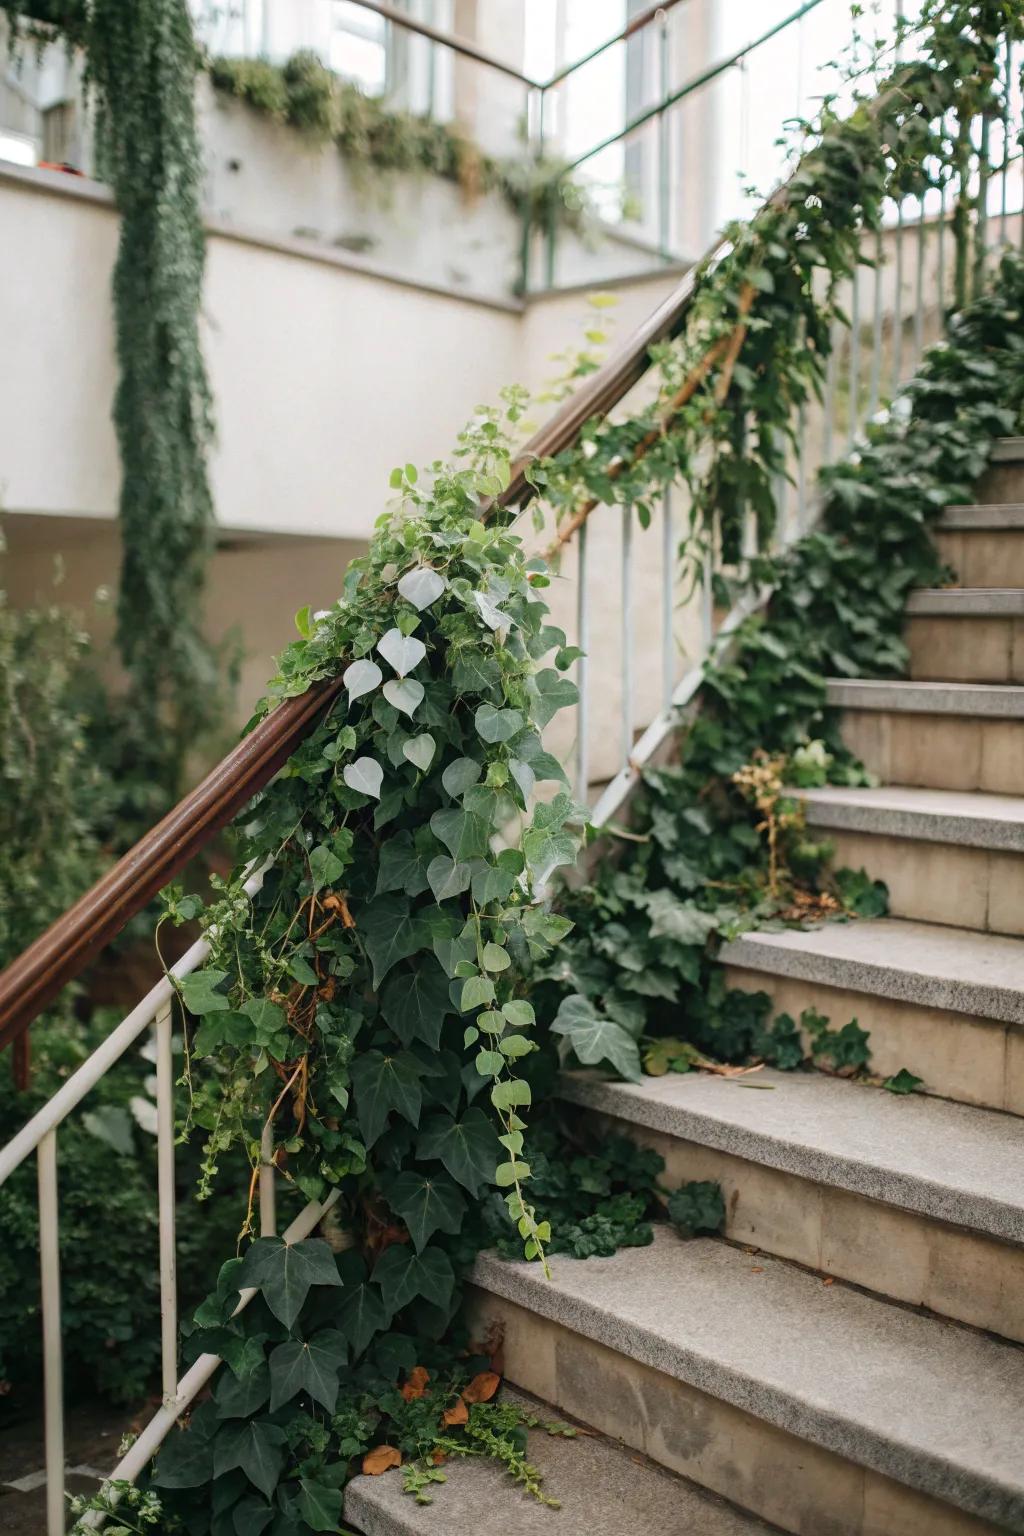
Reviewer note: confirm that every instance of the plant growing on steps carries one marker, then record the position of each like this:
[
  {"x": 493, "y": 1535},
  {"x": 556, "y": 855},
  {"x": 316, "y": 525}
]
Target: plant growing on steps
[{"x": 340, "y": 1002}]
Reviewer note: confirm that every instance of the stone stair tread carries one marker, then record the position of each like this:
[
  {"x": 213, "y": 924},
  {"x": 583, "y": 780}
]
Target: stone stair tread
[
  {"x": 981, "y": 974},
  {"x": 971, "y": 818},
  {"x": 997, "y": 701},
  {"x": 966, "y": 602},
  {"x": 932, "y": 1404},
  {"x": 1007, "y": 450},
  {"x": 952, "y": 1162},
  {"x": 982, "y": 517},
  {"x": 602, "y": 1488}
]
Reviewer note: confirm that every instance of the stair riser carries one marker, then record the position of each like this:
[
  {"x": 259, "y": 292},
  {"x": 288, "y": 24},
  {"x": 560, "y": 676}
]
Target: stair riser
[
  {"x": 803, "y": 1488},
  {"x": 977, "y": 888},
  {"x": 1001, "y": 483},
  {"x": 968, "y": 1276},
  {"x": 965, "y": 650},
  {"x": 938, "y": 751},
  {"x": 988, "y": 558},
  {"x": 972, "y": 1060}
]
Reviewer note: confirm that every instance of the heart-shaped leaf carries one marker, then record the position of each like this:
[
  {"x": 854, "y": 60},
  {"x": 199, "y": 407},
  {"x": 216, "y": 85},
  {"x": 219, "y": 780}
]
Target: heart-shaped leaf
[
  {"x": 404, "y": 694},
  {"x": 461, "y": 775},
  {"x": 420, "y": 750},
  {"x": 421, "y": 587},
  {"x": 403, "y": 652},
  {"x": 361, "y": 677},
  {"x": 364, "y": 775},
  {"x": 448, "y": 878},
  {"x": 490, "y": 612}
]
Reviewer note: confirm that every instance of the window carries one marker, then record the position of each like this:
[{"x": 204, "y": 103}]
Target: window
[{"x": 359, "y": 47}]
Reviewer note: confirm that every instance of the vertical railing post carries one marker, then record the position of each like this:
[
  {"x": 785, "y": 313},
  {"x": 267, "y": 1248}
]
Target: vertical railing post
[
  {"x": 664, "y": 143},
  {"x": 626, "y": 635},
  {"x": 268, "y": 1184},
  {"x": 53, "y": 1349},
  {"x": 166, "y": 1202},
  {"x": 582, "y": 667},
  {"x": 668, "y": 657}
]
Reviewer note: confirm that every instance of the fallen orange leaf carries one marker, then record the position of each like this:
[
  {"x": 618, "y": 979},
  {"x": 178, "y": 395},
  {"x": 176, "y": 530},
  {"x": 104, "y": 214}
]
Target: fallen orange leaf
[
  {"x": 417, "y": 1383},
  {"x": 458, "y": 1413},
  {"x": 439, "y": 1456},
  {"x": 482, "y": 1388},
  {"x": 380, "y": 1459}
]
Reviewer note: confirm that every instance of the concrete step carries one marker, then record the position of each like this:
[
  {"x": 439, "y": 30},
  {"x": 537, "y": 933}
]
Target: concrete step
[
  {"x": 602, "y": 1487},
  {"x": 947, "y": 856},
  {"x": 812, "y": 1405},
  {"x": 916, "y": 1198},
  {"x": 946, "y": 1003},
  {"x": 937, "y": 735},
  {"x": 1003, "y": 481},
  {"x": 983, "y": 544},
  {"x": 966, "y": 634}
]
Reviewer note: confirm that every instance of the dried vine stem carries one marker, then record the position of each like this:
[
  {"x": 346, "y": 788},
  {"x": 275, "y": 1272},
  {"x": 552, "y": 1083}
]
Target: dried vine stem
[{"x": 727, "y": 347}]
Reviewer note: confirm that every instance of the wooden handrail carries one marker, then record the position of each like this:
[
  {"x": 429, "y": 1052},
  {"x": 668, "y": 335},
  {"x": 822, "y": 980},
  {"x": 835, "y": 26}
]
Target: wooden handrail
[{"x": 60, "y": 954}]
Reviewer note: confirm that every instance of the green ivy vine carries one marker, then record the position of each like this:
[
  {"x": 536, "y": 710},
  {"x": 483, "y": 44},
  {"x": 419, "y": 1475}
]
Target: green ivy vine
[{"x": 140, "y": 66}]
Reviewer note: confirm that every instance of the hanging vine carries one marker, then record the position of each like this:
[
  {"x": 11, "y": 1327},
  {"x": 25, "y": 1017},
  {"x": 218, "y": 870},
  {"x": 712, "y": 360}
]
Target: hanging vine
[{"x": 140, "y": 64}]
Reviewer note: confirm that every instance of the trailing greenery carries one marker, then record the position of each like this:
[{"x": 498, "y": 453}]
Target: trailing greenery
[
  {"x": 375, "y": 138},
  {"x": 364, "y": 1017},
  {"x": 140, "y": 65}
]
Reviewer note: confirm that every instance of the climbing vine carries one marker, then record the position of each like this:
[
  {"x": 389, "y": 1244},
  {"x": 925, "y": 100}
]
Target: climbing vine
[{"x": 368, "y": 1019}]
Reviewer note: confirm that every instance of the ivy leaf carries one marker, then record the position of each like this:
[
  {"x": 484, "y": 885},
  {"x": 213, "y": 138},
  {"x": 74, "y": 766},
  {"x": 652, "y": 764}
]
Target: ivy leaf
[
  {"x": 404, "y": 694},
  {"x": 309, "y": 1366},
  {"x": 325, "y": 866},
  {"x": 420, "y": 750},
  {"x": 547, "y": 851},
  {"x": 185, "y": 1460},
  {"x": 550, "y": 693},
  {"x": 678, "y": 920},
  {"x": 256, "y": 1448},
  {"x": 365, "y": 776},
  {"x": 595, "y": 1038},
  {"x": 362, "y": 1315},
  {"x": 902, "y": 1081},
  {"x": 401, "y": 866},
  {"x": 426, "y": 1203},
  {"x": 446, "y": 878},
  {"x": 390, "y": 933},
  {"x": 461, "y": 775},
  {"x": 523, "y": 775},
  {"x": 284, "y": 1272},
  {"x": 240, "y": 1398},
  {"x": 251, "y": 1516},
  {"x": 415, "y": 1003},
  {"x": 319, "y": 1505},
  {"x": 468, "y": 1148},
  {"x": 497, "y": 725},
  {"x": 361, "y": 677},
  {"x": 495, "y": 882},
  {"x": 421, "y": 587},
  {"x": 401, "y": 652},
  {"x": 464, "y": 835},
  {"x": 403, "y": 1275},
  {"x": 199, "y": 992},
  {"x": 385, "y": 1083}
]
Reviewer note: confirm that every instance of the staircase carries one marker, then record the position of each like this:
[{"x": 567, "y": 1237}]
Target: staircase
[{"x": 846, "y": 1360}]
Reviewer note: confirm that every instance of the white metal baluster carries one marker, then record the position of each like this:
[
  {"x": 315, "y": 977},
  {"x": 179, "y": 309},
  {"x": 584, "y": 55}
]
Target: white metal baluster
[
  {"x": 707, "y": 598},
  {"x": 582, "y": 667},
  {"x": 165, "y": 1201},
  {"x": 830, "y": 391},
  {"x": 53, "y": 1349},
  {"x": 668, "y": 659},
  {"x": 876, "y": 329},
  {"x": 922, "y": 235},
  {"x": 627, "y": 635},
  {"x": 268, "y": 1185},
  {"x": 854, "y": 361}
]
